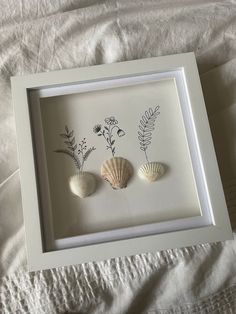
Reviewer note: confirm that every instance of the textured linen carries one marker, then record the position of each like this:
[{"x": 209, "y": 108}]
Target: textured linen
[{"x": 39, "y": 36}]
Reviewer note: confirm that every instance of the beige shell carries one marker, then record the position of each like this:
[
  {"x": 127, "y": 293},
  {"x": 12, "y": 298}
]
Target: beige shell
[
  {"x": 151, "y": 171},
  {"x": 82, "y": 184},
  {"x": 117, "y": 171}
]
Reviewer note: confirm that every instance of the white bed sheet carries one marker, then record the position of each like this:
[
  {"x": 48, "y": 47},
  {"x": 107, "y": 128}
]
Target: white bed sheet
[{"x": 39, "y": 36}]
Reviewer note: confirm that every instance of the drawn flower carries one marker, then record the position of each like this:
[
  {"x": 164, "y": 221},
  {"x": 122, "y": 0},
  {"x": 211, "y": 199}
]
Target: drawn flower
[
  {"x": 108, "y": 131},
  {"x": 111, "y": 121},
  {"x": 97, "y": 128},
  {"x": 120, "y": 133}
]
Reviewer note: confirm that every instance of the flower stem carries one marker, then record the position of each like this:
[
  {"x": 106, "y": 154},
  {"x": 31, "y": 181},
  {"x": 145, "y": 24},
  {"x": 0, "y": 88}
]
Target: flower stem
[
  {"x": 108, "y": 141},
  {"x": 82, "y": 159},
  {"x": 146, "y": 155},
  {"x": 110, "y": 136}
]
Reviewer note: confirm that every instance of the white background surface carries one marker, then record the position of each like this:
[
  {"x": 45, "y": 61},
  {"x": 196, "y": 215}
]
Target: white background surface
[
  {"x": 173, "y": 197},
  {"x": 40, "y": 36}
]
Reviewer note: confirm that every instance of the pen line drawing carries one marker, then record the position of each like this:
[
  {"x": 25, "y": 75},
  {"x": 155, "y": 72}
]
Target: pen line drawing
[
  {"x": 107, "y": 132},
  {"x": 79, "y": 153},
  {"x": 146, "y": 127}
]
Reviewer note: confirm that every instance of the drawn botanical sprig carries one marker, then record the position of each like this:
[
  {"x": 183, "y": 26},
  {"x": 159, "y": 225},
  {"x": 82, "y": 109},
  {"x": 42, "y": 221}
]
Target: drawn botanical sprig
[
  {"x": 107, "y": 132},
  {"x": 79, "y": 153},
  {"x": 146, "y": 127}
]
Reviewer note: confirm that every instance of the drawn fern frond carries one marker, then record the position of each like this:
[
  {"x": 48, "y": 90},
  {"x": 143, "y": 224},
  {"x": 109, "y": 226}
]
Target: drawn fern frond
[
  {"x": 72, "y": 155},
  {"x": 146, "y": 126},
  {"x": 79, "y": 153},
  {"x": 88, "y": 152}
]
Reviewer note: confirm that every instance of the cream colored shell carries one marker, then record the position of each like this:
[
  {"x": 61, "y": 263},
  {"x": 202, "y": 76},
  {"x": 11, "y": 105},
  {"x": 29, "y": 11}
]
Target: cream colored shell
[
  {"x": 82, "y": 184},
  {"x": 117, "y": 171},
  {"x": 151, "y": 171}
]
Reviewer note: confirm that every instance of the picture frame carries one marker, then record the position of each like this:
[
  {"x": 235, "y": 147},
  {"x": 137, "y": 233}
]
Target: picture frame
[{"x": 95, "y": 88}]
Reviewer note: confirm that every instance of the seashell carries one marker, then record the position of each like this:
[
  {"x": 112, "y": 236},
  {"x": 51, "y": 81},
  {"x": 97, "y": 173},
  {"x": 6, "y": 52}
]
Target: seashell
[
  {"x": 151, "y": 171},
  {"x": 82, "y": 184},
  {"x": 117, "y": 171}
]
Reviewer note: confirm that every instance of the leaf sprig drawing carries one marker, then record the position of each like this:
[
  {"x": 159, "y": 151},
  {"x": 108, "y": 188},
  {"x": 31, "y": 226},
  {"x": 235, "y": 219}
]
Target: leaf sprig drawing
[
  {"x": 146, "y": 127},
  {"x": 107, "y": 132},
  {"x": 79, "y": 153}
]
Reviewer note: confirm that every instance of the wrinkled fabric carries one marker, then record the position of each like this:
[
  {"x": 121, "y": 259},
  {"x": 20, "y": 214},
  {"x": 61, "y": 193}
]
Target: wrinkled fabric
[{"x": 39, "y": 36}]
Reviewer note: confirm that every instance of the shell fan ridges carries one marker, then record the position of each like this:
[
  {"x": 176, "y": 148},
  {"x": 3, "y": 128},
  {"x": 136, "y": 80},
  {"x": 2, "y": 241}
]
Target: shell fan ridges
[
  {"x": 117, "y": 171},
  {"x": 151, "y": 171}
]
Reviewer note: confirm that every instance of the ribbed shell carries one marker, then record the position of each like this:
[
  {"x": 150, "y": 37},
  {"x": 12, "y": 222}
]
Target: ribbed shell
[
  {"x": 82, "y": 184},
  {"x": 151, "y": 171},
  {"x": 117, "y": 171}
]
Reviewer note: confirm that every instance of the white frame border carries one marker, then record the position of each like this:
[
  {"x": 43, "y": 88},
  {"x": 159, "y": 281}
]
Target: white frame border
[
  {"x": 50, "y": 242},
  {"x": 218, "y": 231}
]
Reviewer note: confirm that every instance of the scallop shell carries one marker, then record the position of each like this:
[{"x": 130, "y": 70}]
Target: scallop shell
[
  {"x": 82, "y": 184},
  {"x": 151, "y": 171},
  {"x": 117, "y": 171}
]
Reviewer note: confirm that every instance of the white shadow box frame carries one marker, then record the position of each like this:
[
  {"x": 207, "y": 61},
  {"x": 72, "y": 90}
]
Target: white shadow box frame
[{"x": 31, "y": 97}]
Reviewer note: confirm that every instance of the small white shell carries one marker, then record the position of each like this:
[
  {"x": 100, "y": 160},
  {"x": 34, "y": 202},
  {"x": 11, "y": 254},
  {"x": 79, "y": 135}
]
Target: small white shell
[
  {"x": 117, "y": 171},
  {"x": 151, "y": 171},
  {"x": 82, "y": 184}
]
